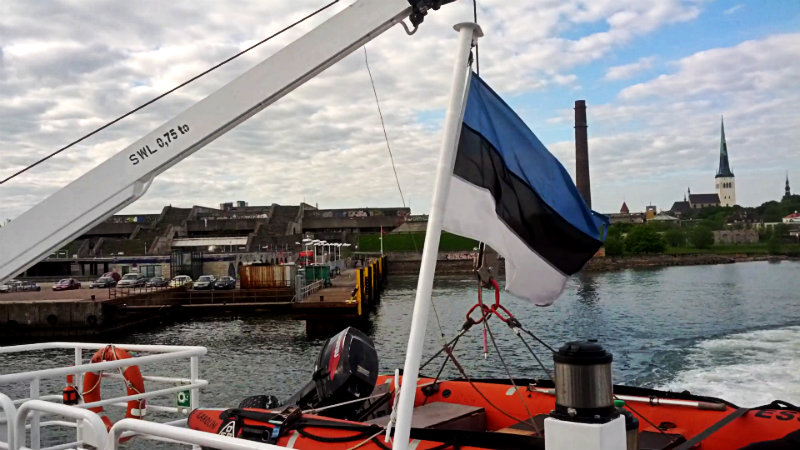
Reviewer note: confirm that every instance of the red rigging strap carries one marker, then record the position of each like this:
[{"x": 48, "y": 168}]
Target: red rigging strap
[{"x": 497, "y": 309}]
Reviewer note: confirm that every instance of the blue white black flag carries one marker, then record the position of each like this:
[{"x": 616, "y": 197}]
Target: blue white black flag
[{"x": 510, "y": 192}]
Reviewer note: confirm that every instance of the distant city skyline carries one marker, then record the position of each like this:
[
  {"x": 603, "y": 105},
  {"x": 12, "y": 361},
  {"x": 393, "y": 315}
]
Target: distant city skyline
[{"x": 656, "y": 79}]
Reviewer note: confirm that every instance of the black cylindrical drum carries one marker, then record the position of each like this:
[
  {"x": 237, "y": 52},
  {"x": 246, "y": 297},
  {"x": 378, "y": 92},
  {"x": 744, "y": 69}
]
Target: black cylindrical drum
[{"x": 584, "y": 392}]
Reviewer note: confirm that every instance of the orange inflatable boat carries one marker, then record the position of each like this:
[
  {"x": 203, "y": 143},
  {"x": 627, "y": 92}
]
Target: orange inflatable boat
[{"x": 343, "y": 408}]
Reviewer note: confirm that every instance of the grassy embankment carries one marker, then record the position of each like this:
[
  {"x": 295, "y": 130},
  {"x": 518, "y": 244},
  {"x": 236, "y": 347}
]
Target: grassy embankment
[
  {"x": 734, "y": 249},
  {"x": 413, "y": 242}
]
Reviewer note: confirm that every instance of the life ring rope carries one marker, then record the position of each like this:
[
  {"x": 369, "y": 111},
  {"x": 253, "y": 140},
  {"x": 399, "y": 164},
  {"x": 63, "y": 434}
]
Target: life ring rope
[{"x": 134, "y": 385}]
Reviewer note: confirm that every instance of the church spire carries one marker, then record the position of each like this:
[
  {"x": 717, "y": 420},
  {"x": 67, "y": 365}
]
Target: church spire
[
  {"x": 788, "y": 191},
  {"x": 724, "y": 170}
]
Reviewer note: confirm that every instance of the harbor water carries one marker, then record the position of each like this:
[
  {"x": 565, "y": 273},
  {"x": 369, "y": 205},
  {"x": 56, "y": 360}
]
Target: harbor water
[{"x": 730, "y": 331}]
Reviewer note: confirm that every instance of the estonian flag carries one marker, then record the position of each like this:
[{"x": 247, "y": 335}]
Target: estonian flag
[{"x": 510, "y": 192}]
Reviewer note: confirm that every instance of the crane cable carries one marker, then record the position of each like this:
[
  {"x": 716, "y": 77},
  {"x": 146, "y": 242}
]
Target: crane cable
[
  {"x": 477, "y": 54},
  {"x": 159, "y": 97},
  {"x": 397, "y": 179},
  {"x": 383, "y": 126}
]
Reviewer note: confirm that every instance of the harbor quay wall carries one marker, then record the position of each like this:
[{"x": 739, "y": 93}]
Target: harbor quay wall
[
  {"x": 407, "y": 263},
  {"x": 609, "y": 263},
  {"x": 46, "y": 313},
  {"x": 83, "y": 317}
]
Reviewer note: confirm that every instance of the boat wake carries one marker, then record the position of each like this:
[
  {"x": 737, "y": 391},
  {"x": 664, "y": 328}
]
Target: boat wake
[{"x": 748, "y": 369}]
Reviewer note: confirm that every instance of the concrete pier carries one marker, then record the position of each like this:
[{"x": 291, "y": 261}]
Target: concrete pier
[
  {"x": 87, "y": 313},
  {"x": 348, "y": 301},
  {"x": 84, "y": 313}
]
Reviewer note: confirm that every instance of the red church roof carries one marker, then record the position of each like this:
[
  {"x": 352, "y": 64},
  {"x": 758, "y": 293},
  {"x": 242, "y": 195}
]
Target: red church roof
[{"x": 624, "y": 209}]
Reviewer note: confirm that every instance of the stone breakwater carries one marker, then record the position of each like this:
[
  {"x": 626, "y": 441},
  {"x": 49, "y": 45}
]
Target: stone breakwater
[
  {"x": 462, "y": 262},
  {"x": 642, "y": 261}
]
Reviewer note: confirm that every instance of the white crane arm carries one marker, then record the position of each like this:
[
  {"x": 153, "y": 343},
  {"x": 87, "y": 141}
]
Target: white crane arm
[{"x": 125, "y": 177}]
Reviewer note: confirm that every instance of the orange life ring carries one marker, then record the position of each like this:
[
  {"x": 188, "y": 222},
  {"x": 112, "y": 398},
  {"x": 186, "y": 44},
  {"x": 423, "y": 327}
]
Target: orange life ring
[{"x": 133, "y": 382}]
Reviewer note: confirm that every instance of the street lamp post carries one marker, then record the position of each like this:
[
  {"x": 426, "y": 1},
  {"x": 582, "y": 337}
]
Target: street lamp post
[
  {"x": 343, "y": 245},
  {"x": 314, "y": 244}
]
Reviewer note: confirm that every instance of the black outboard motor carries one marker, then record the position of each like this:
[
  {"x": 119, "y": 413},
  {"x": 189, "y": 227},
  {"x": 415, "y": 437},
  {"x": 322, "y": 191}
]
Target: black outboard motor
[{"x": 346, "y": 369}]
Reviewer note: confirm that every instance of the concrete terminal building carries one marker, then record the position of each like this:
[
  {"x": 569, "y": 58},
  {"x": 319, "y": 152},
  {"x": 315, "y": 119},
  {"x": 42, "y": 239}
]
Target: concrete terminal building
[{"x": 200, "y": 239}]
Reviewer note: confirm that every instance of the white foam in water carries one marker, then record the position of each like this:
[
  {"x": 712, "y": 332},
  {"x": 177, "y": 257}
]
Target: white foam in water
[{"x": 748, "y": 369}]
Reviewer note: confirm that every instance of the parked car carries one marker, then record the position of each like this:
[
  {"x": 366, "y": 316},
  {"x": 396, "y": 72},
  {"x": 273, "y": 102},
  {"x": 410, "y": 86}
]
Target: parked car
[
  {"x": 157, "y": 282},
  {"x": 114, "y": 275},
  {"x": 5, "y": 288},
  {"x": 30, "y": 286},
  {"x": 12, "y": 286},
  {"x": 66, "y": 284},
  {"x": 132, "y": 279},
  {"x": 225, "y": 283},
  {"x": 103, "y": 282},
  {"x": 204, "y": 282},
  {"x": 181, "y": 280}
]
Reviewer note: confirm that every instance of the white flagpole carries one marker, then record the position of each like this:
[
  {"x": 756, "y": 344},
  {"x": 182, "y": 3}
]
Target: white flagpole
[{"x": 468, "y": 32}]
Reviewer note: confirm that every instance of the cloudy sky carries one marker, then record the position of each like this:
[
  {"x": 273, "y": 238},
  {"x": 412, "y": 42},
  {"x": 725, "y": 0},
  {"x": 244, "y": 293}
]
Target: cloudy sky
[{"x": 656, "y": 76}]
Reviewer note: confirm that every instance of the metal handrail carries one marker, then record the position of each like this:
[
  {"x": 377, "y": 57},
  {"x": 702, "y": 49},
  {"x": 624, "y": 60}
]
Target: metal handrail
[
  {"x": 170, "y": 352},
  {"x": 183, "y": 435},
  {"x": 10, "y": 413},
  {"x": 311, "y": 288},
  {"x": 92, "y": 420},
  {"x": 159, "y": 354}
]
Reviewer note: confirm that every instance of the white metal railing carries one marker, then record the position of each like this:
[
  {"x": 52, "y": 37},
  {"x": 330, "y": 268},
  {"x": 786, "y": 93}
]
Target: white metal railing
[
  {"x": 151, "y": 430},
  {"x": 310, "y": 288},
  {"x": 93, "y": 430},
  {"x": 10, "y": 418},
  {"x": 38, "y": 403}
]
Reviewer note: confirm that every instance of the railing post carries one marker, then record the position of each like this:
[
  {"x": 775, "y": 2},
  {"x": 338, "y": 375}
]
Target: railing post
[
  {"x": 88, "y": 418},
  {"x": 78, "y": 377},
  {"x": 35, "y": 436},
  {"x": 10, "y": 413},
  {"x": 194, "y": 375}
]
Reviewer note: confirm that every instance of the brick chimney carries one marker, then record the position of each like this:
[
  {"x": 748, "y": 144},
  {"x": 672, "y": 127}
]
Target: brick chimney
[{"x": 582, "y": 153}]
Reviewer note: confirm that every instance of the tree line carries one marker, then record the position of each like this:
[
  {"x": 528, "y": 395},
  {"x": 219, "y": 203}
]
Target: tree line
[{"x": 695, "y": 232}]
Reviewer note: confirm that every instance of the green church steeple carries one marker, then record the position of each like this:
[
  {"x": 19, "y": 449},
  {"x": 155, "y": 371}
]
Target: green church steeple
[{"x": 724, "y": 170}]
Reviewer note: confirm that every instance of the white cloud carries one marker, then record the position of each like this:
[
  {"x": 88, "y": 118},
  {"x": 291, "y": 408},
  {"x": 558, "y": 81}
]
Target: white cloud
[
  {"x": 626, "y": 71},
  {"x": 665, "y": 132},
  {"x": 68, "y": 67},
  {"x": 733, "y": 9}
]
